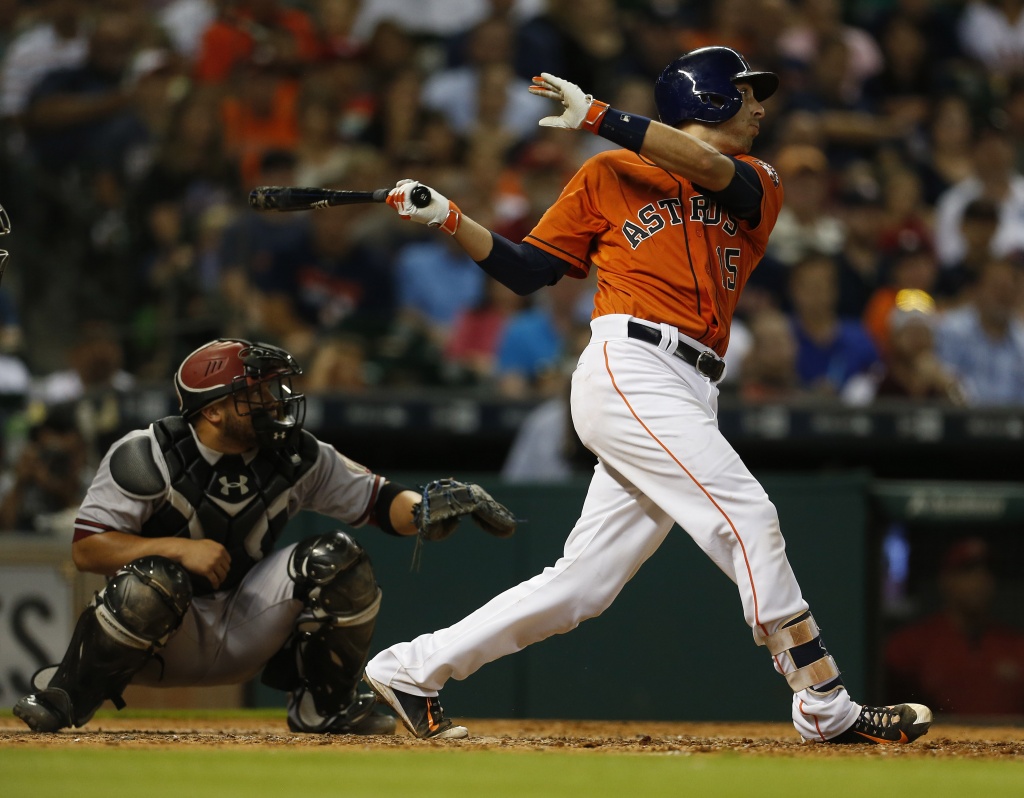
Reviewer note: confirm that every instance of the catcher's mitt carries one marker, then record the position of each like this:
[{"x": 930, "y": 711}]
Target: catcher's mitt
[{"x": 446, "y": 501}]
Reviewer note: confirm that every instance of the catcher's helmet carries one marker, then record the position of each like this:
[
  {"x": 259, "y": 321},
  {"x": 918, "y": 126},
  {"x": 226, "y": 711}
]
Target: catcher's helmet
[
  {"x": 700, "y": 85},
  {"x": 233, "y": 367}
]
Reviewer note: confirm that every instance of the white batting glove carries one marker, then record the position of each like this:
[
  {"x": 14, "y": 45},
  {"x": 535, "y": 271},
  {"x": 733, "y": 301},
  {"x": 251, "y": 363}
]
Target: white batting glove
[
  {"x": 440, "y": 212},
  {"x": 582, "y": 111}
]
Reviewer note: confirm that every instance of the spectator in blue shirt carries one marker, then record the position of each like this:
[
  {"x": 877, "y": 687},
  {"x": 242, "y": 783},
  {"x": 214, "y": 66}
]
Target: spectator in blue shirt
[
  {"x": 831, "y": 349},
  {"x": 983, "y": 341}
]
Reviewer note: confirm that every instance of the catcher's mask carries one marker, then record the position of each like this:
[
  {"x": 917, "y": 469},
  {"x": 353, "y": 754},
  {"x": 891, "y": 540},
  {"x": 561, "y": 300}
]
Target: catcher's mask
[
  {"x": 259, "y": 379},
  {"x": 701, "y": 85}
]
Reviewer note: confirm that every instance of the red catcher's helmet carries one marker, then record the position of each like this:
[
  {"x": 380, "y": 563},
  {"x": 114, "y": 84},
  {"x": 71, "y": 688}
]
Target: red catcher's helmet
[
  {"x": 701, "y": 85},
  {"x": 231, "y": 367}
]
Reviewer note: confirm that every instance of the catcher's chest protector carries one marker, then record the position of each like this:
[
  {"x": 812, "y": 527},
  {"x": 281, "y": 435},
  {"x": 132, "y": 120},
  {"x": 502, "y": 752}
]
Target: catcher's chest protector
[{"x": 243, "y": 506}]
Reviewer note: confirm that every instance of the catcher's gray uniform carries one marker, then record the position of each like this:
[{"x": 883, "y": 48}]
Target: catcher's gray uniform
[{"x": 227, "y": 635}]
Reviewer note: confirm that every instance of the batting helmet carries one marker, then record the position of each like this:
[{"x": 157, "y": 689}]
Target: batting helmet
[
  {"x": 232, "y": 367},
  {"x": 701, "y": 85}
]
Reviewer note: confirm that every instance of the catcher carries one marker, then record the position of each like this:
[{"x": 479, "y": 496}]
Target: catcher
[{"x": 183, "y": 518}]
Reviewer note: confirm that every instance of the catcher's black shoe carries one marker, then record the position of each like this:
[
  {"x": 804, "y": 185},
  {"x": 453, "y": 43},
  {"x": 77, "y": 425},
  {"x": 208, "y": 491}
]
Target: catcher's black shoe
[
  {"x": 48, "y": 710},
  {"x": 902, "y": 723},
  {"x": 422, "y": 715},
  {"x": 358, "y": 718}
]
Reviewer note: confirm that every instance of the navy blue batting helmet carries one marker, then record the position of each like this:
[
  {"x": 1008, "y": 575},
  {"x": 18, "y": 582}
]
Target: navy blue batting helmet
[{"x": 701, "y": 85}]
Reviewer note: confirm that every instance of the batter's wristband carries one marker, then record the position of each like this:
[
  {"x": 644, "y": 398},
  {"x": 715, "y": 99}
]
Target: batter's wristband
[
  {"x": 595, "y": 113},
  {"x": 626, "y": 130},
  {"x": 451, "y": 222}
]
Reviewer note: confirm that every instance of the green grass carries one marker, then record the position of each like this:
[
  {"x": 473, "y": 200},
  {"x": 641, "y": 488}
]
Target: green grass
[{"x": 168, "y": 773}]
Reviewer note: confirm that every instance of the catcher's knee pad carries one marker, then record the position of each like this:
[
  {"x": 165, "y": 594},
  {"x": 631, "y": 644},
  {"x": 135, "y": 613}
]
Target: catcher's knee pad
[
  {"x": 124, "y": 625},
  {"x": 334, "y": 578},
  {"x": 801, "y": 655},
  {"x": 145, "y": 601}
]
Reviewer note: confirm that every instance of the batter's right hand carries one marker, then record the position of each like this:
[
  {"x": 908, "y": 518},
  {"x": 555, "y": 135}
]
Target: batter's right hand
[
  {"x": 206, "y": 558},
  {"x": 582, "y": 111},
  {"x": 441, "y": 212}
]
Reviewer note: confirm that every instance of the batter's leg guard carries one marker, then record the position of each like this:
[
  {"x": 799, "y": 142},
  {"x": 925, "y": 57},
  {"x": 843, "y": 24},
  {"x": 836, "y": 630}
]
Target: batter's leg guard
[
  {"x": 802, "y": 657},
  {"x": 323, "y": 663},
  {"x": 125, "y": 624}
]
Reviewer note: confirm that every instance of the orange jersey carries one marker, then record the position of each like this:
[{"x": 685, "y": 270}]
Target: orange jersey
[{"x": 664, "y": 251}]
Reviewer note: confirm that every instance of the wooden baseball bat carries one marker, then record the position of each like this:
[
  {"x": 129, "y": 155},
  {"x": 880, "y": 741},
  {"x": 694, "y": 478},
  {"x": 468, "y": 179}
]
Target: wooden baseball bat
[{"x": 297, "y": 198}]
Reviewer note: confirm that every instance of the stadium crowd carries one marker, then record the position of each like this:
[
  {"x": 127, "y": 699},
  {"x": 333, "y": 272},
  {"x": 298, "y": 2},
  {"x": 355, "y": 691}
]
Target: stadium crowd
[{"x": 133, "y": 130}]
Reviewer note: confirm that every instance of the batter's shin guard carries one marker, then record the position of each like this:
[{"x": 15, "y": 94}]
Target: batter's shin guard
[{"x": 801, "y": 655}]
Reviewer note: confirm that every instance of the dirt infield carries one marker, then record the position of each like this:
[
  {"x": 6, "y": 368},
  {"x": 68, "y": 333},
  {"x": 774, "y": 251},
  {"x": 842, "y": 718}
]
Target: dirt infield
[{"x": 635, "y": 737}]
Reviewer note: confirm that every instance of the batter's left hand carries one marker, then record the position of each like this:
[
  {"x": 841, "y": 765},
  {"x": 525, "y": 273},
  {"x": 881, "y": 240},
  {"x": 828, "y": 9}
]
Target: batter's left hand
[
  {"x": 441, "y": 212},
  {"x": 581, "y": 110}
]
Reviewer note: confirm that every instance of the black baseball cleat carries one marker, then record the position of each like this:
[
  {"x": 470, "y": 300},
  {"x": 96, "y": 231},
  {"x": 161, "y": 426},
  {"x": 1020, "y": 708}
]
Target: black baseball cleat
[
  {"x": 48, "y": 710},
  {"x": 358, "y": 718},
  {"x": 895, "y": 725},
  {"x": 422, "y": 715}
]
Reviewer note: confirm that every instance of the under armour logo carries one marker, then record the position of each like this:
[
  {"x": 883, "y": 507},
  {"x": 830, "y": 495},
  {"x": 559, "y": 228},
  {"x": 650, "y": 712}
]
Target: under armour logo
[
  {"x": 226, "y": 485},
  {"x": 280, "y": 436}
]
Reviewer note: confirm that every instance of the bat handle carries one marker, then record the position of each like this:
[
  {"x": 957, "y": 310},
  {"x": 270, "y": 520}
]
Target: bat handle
[{"x": 420, "y": 196}]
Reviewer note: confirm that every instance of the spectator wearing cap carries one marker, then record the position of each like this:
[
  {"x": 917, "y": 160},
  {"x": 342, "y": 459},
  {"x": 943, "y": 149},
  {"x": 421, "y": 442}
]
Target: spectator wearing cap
[
  {"x": 995, "y": 178},
  {"x": 910, "y": 367},
  {"x": 805, "y": 222},
  {"x": 960, "y": 659},
  {"x": 983, "y": 341}
]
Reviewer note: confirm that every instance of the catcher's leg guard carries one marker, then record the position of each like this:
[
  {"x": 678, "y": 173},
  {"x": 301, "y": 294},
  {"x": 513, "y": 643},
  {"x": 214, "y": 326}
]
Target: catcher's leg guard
[
  {"x": 126, "y": 623},
  {"x": 324, "y": 661}
]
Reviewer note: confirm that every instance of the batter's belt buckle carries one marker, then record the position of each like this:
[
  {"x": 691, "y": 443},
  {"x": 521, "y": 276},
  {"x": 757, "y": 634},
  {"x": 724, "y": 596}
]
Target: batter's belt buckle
[{"x": 710, "y": 366}]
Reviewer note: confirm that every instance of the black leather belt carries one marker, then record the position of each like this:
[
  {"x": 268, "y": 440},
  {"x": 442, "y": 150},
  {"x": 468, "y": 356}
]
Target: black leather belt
[{"x": 705, "y": 361}]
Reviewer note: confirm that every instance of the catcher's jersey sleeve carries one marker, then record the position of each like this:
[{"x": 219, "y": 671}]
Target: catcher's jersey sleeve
[
  {"x": 337, "y": 487},
  {"x": 664, "y": 250}
]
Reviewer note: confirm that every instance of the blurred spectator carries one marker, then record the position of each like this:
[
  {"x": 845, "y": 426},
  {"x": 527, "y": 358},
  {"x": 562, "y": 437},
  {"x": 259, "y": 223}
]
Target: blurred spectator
[
  {"x": 472, "y": 344},
  {"x": 910, "y": 265},
  {"x": 819, "y": 21},
  {"x": 271, "y": 34},
  {"x": 978, "y": 226},
  {"x": 961, "y": 660},
  {"x": 321, "y": 155},
  {"x": 14, "y": 374},
  {"x": 55, "y": 40},
  {"x": 861, "y": 210},
  {"x": 185, "y": 22},
  {"x": 910, "y": 367},
  {"x": 992, "y": 32},
  {"x": 259, "y": 118},
  {"x": 906, "y": 85},
  {"x": 830, "y": 349},
  {"x": 42, "y": 491},
  {"x": 995, "y": 178},
  {"x": 85, "y": 117},
  {"x": 339, "y": 364},
  {"x": 983, "y": 341},
  {"x": 436, "y": 282},
  {"x": 806, "y": 224},
  {"x": 95, "y": 367},
  {"x": 328, "y": 280},
  {"x": 538, "y": 339},
  {"x": 458, "y": 93},
  {"x": 770, "y": 368},
  {"x": 944, "y": 155},
  {"x": 438, "y": 19}
]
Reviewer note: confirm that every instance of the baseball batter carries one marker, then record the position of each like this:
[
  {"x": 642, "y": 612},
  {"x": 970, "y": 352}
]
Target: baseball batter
[
  {"x": 675, "y": 222},
  {"x": 184, "y": 517}
]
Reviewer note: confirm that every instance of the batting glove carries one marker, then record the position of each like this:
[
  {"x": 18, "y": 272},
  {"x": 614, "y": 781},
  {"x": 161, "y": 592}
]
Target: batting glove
[
  {"x": 440, "y": 212},
  {"x": 581, "y": 110}
]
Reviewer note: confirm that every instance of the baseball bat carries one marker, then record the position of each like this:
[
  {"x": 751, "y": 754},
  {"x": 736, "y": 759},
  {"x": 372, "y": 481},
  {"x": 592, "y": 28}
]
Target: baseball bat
[{"x": 297, "y": 198}]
